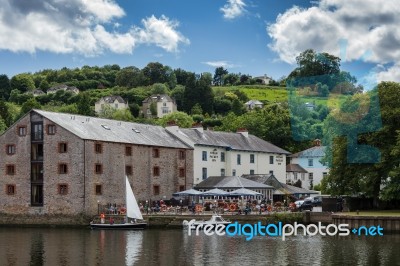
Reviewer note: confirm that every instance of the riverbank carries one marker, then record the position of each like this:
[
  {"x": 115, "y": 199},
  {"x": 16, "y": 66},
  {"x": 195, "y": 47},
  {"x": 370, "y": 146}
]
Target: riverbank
[{"x": 390, "y": 223}]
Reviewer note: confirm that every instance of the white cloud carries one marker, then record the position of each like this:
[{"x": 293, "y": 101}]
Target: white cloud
[
  {"x": 80, "y": 27},
  {"x": 104, "y": 10},
  {"x": 224, "y": 64},
  {"x": 389, "y": 74},
  {"x": 233, "y": 9},
  {"x": 366, "y": 25},
  {"x": 160, "y": 32}
]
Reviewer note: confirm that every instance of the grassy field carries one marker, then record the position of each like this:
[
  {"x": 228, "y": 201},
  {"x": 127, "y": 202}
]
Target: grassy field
[{"x": 274, "y": 94}]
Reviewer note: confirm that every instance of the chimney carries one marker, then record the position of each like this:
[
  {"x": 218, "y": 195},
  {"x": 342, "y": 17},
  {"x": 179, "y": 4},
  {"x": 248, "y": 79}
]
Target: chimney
[
  {"x": 171, "y": 123},
  {"x": 317, "y": 142},
  {"x": 198, "y": 127},
  {"x": 243, "y": 131}
]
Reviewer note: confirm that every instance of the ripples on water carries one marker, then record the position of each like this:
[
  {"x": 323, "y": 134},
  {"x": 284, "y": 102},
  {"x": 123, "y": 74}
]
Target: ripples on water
[{"x": 45, "y": 246}]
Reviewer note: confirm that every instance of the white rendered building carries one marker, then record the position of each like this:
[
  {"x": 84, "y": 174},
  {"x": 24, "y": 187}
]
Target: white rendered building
[
  {"x": 231, "y": 154},
  {"x": 310, "y": 160}
]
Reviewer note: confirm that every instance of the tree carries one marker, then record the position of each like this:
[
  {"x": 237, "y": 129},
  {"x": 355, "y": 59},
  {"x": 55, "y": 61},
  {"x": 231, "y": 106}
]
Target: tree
[
  {"x": 3, "y": 126},
  {"x": 5, "y": 87},
  {"x": 44, "y": 85},
  {"x": 153, "y": 108},
  {"x": 155, "y": 72},
  {"x": 271, "y": 124},
  {"x": 311, "y": 63},
  {"x": 130, "y": 77},
  {"x": 219, "y": 75},
  {"x": 122, "y": 115},
  {"x": 181, "y": 76},
  {"x": 206, "y": 95},
  {"x": 356, "y": 168},
  {"x": 191, "y": 94},
  {"x": 5, "y": 113},
  {"x": 315, "y": 67},
  {"x": 159, "y": 88},
  {"x": 180, "y": 118},
  {"x": 29, "y": 105},
  {"x": 135, "y": 109},
  {"x": 322, "y": 90},
  {"x": 231, "y": 79},
  {"x": 237, "y": 107},
  {"x": 178, "y": 94},
  {"x": 22, "y": 82},
  {"x": 196, "y": 109},
  {"x": 222, "y": 106},
  {"x": 83, "y": 104}
]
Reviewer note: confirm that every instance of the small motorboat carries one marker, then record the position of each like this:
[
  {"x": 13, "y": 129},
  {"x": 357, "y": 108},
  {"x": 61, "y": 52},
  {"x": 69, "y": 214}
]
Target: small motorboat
[{"x": 215, "y": 220}]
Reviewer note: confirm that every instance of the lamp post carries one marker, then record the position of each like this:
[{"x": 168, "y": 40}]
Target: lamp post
[{"x": 242, "y": 201}]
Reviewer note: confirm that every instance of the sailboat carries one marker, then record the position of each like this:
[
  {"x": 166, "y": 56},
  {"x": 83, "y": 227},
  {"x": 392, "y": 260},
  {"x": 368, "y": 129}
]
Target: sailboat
[{"x": 132, "y": 213}]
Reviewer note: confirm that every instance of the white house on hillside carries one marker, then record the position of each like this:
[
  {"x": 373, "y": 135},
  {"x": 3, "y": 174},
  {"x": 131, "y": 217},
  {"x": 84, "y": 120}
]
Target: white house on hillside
[
  {"x": 263, "y": 79},
  {"x": 231, "y": 154},
  {"x": 115, "y": 102},
  {"x": 162, "y": 104},
  {"x": 63, "y": 87},
  {"x": 252, "y": 104},
  {"x": 310, "y": 161}
]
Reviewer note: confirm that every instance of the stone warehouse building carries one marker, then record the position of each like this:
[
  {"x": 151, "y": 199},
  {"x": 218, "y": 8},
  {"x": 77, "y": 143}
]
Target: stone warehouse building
[
  {"x": 54, "y": 163},
  {"x": 231, "y": 154}
]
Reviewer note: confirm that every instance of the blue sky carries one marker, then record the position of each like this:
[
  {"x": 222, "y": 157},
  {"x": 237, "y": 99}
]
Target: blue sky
[{"x": 253, "y": 37}]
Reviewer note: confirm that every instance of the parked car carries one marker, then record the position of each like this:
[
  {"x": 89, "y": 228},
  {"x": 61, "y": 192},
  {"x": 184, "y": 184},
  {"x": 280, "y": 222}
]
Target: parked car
[
  {"x": 317, "y": 201},
  {"x": 306, "y": 205},
  {"x": 298, "y": 203}
]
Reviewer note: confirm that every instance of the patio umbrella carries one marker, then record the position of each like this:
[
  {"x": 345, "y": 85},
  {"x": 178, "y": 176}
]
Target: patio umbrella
[
  {"x": 215, "y": 192},
  {"x": 189, "y": 192},
  {"x": 244, "y": 192}
]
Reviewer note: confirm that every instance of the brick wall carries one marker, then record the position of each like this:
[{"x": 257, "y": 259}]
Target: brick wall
[
  {"x": 81, "y": 177},
  {"x": 20, "y": 201}
]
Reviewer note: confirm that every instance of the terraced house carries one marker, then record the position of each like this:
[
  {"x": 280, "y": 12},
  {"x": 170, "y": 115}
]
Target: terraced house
[
  {"x": 54, "y": 163},
  {"x": 231, "y": 154}
]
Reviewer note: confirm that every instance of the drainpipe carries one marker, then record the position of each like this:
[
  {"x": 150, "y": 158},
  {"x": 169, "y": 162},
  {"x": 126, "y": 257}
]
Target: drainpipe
[{"x": 84, "y": 177}]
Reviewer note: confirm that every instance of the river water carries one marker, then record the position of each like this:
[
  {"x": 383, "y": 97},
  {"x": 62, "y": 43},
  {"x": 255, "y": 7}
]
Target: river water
[{"x": 75, "y": 247}]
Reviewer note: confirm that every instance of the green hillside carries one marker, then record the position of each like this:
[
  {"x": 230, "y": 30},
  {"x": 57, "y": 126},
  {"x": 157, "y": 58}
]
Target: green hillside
[{"x": 266, "y": 93}]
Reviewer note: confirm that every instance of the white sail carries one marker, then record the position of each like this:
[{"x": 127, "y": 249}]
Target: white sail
[{"x": 132, "y": 207}]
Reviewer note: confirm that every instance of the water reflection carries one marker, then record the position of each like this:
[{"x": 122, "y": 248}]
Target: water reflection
[{"x": 40, "y": 246}]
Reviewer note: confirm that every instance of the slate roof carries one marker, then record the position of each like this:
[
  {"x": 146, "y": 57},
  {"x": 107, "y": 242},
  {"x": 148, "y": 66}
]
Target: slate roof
[
  {"x": 230, "y": 140},
  {"x": 93, "y": 128},
  {"x": 253, "y": 102},
  {"x": 289, "y": 189},
  {"x": 282, "y": 187},
  {"x": 294, "y": 167},
  {"x": 316, "y": 151},
  {"x": 111, "y": 99},
  {"x": 230, "y": 182},
  {"x": 58, "y": 87},
  {"x": 158, "y": 98},
  {"x": 268, "y": 179}
]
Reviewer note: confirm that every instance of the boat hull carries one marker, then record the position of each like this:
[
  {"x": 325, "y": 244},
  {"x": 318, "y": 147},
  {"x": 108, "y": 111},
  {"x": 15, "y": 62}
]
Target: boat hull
[{"x": 125, "y": 226}]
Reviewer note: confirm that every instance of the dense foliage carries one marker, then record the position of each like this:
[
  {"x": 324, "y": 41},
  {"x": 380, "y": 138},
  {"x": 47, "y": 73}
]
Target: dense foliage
[{"x": 218, "y": 101}]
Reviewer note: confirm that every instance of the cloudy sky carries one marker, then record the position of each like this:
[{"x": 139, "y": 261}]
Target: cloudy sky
[{"x": 253, "y": 37}]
